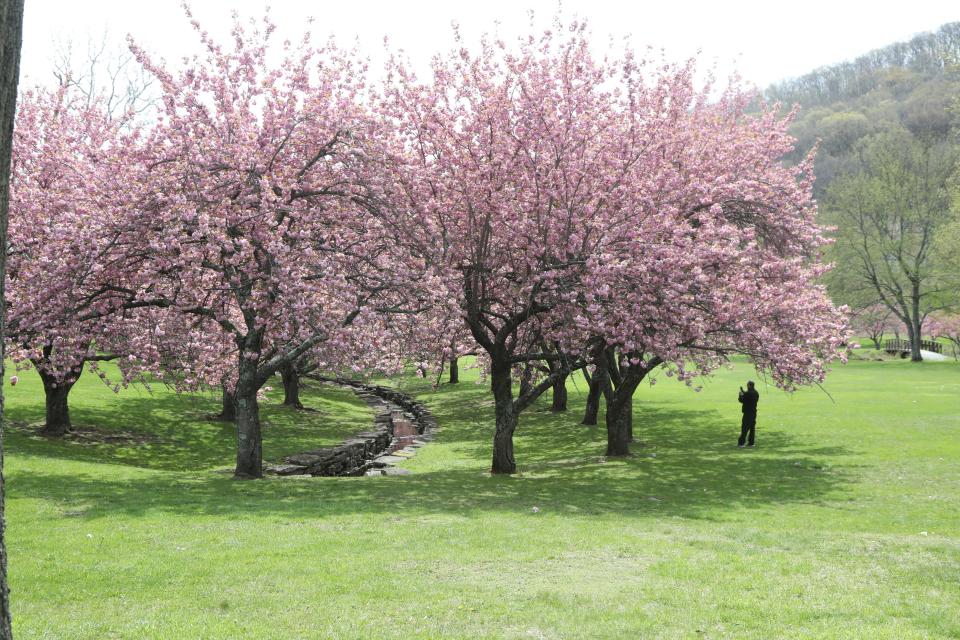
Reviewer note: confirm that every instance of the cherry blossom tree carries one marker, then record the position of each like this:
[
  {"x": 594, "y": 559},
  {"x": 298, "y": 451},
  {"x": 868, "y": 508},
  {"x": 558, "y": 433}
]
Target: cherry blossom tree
[
  {"x": 259, "y": 225},
  {"x": 74, "y": 178},
  {"x": 889, "y": 217},
  {"x": 946, "y": 327},
  {"x": 721, "y": 255},
  {"x": 580, "y": 208},
  {"x": 874, "y": 322},
  {"x": 509, "y": 162}
]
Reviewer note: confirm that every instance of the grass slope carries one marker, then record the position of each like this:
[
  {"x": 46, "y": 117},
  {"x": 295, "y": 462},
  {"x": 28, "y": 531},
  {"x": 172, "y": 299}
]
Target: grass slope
[{"x": 843, "y": 523}]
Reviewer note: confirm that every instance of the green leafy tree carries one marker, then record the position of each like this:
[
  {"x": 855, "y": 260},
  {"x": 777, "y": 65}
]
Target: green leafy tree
[{"x": 889, "y": 217}]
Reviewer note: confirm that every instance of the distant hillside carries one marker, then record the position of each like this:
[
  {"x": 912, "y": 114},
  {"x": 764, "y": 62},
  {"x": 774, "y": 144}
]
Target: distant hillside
[
  {"x": 925, "y": 55},
  {"x": 911, "y": 85}
]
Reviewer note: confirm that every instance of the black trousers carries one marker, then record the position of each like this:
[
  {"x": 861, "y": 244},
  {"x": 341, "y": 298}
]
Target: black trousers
[{"x": 748, "y": 428}]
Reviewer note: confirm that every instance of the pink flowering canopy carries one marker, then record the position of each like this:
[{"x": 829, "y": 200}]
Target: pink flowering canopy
[
  {"x": 532, "y": 202},
  {"x": 721, "y": 251},
  {"x": 945, "y": 327},
  {"x": 259, "y": 223},
  {"x": 74, "y": 181},
  {"x": 565, "y": 200}
]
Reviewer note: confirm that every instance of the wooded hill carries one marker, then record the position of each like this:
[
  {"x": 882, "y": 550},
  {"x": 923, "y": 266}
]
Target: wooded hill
[
  {"x": 912, "y": 84},
  {"x": 926, "y": 55}
]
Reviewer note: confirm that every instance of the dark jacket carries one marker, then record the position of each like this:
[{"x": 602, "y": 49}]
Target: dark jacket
[{"x": 749, "y": 400}]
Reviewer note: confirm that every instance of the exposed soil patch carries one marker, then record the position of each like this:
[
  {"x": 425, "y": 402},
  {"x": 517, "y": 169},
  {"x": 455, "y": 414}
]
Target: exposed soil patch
[{"x": 83, "y": 434}]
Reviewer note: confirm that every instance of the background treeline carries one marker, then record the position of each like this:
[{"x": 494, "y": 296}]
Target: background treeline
[
  {"x": 925, "y": 55},
  {"x": 911, "y": 85}
]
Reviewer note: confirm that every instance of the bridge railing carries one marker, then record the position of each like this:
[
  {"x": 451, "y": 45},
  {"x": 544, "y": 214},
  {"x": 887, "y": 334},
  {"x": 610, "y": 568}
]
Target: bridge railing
[{"x": 903, "y": 346}]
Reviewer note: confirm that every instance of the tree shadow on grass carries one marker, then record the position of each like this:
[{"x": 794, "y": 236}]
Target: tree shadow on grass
[
  {"x": 180, "y": 436},
  {"x": 684, "y": 462},
  {"x": 689, "y": 467}
]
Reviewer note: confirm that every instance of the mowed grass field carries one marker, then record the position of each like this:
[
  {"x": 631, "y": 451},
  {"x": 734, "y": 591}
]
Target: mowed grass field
[{"x": 843, "y": 523}]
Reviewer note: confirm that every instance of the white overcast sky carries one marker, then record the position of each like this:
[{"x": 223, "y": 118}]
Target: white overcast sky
[{"x": 765, "y": 41}]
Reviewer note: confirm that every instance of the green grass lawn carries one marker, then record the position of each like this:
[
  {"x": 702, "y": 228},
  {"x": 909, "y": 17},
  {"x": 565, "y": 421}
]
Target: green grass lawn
[
  {"x": 175, "y": 432},
  {"x": 843, "y": 523}
]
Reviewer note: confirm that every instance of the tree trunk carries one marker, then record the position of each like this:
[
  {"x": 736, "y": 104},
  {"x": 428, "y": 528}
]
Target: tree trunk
[
  {"x": 620, "y": 409},
  {"x": 249, "y": 440},
  {"x": 618, "y": 427},
  {"x": 915, "y": 355},
  {"x": 11, "y": 33},
  {"x": 501, "y": 384},
  {"x": 526, "y": 383},
  {"x": 915, "y": 326},
  {"x": 559, "y": 395},
  {"x": 454, "y": 371},
  {"x": 229, "y": 410},
  {"x": 593, "y": 397},
  {"x": 291, "y": 386},
  {"x": 56, "y": 395}
]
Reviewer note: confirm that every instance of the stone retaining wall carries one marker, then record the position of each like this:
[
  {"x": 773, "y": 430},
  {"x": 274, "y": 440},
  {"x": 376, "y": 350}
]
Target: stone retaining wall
[{"x": 359, "y": 454}]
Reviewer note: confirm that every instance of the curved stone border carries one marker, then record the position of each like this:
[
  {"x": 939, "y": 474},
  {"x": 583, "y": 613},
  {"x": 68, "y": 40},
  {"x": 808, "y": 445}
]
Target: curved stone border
[{"x": 401, "y": 426}]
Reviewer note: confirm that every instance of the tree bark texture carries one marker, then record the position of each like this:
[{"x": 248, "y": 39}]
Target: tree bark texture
[
  {"x": 249, "y": 437},
  {"x": 454, "y": 371},
  {"x": 506, "y": 419},
  {"x": 620, "y": 408},
  {"x": 594, "y": 391},
  {"x": 11, "y": 33},
  {"x": 291, "y": 385},
  {"x": 916, "y": 328},
  {"x": 526, "y": 380},
  {"x": 228, "y": 412},
  {"x": 559, "y": 395},
  {"x": 56, "y": 396},
  {"x": 620, "y": 420},
  {"x": 618, "y": 430}
]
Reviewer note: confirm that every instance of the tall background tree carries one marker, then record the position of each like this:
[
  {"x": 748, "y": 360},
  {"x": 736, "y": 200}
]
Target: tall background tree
[
  {"x": 11, "y": 33},
  {"x": 901, "y": 97},
  {"x": 888, "y": 218}
]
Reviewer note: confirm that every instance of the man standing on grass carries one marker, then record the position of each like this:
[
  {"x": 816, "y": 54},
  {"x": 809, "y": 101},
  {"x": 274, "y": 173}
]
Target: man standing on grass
[{"x": 748, "y": 425}]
